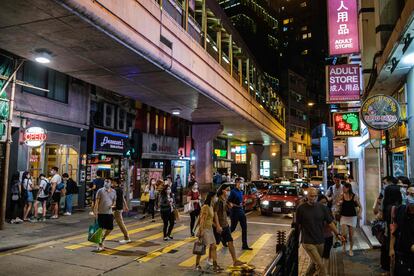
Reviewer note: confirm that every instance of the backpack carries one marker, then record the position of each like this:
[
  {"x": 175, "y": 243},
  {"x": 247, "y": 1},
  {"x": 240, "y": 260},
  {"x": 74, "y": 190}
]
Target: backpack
[{"x": 47, "y": 188}]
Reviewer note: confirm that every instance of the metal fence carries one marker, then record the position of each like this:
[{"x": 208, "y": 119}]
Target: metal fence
[{"x": 287, "y": 259}]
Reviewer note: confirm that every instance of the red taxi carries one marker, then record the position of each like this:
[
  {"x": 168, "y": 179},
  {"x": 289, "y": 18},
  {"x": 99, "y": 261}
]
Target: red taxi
[
  {"x": 250, "y": 195},
  {"x": 280, "y": 198},
  {"x": 262, "y": 186}
]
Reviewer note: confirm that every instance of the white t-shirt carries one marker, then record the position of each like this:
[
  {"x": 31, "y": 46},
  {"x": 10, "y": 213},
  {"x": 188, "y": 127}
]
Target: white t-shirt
[
  {"x": 42, "y": 187},
  {"x": 27, "y": 184},
  {"x": 56, "y": 179}
]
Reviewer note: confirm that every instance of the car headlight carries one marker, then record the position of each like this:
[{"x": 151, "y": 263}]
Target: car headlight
[
  {"x": 289, "y": 204},
  {"x": 265, "y": 202},
  {"x": 305, "y": 192}
]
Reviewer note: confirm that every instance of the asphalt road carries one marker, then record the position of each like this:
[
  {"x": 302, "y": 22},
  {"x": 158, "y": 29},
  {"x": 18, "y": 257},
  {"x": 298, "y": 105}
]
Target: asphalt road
[{"x": 148, "y": 254}]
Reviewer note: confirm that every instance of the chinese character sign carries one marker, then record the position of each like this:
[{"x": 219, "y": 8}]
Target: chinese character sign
[
  {"x": 343, "y": 83},
  {"x": 343, "y": 27},
  {"x": 347, "y": 124}
]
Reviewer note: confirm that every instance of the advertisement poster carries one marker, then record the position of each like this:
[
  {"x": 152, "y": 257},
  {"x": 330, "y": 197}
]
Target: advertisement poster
[
  {"x": 343, "y": 83},
  {"x": 343, "y": 27},
  {"x": 347, "y": 124},
  {"x": 380, "y": 112}
]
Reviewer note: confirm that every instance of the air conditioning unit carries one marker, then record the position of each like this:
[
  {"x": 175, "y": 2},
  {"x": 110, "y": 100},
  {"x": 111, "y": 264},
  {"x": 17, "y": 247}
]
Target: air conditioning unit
[
  {"x": 109, "y": 116},
  {"x": 122, "y": 120}
]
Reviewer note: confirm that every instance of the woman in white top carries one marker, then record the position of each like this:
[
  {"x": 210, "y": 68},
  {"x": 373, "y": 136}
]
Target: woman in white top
[
  {"x": 27, "y": 194},
  {"x": 151, "y": 189}
]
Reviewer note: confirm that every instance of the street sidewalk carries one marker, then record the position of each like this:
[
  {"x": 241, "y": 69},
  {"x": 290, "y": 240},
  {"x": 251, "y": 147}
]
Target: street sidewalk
[
  {"x": 25, "y": 234},
  {"x": 365, "y": 262}
]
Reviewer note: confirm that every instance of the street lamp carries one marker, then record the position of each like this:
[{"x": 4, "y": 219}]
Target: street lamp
[
  {"x": 310, "y": 104},
  {"x": 176, "y": 111}
]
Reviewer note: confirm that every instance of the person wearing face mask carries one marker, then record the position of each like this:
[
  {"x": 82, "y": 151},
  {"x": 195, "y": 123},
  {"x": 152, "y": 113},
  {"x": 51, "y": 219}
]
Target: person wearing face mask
[
  {"x": 237, "y": 213},
  {"x": 193, "y": 196},
  {"x": 105, "y": 201},
  {"x": 404, "y": 183},
  {"x": 311, "y": 218},
  {"x": 120, "y": 206},
  {"x": 167, "y": 205},
  {"x": 402, "y": 237}
]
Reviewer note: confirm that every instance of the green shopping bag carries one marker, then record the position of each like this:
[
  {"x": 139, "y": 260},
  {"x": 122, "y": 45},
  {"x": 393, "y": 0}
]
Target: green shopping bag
[{"x": 95, "y": 233}]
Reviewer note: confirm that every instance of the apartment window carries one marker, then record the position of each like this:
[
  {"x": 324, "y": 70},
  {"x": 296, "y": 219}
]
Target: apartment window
[
  {"x": 285, "y": 29},
  {"x": 303, "y": 4},
  {"x": 43, "y": 77},
  {"x": 299, "y": 148},
  {"x": 304, "y": 28},
  {"x": 309, "y": 35},
  {"x": 304, "y": 36},
  {"x": 286, "y": 21},
  {"x": 305, "y": 52}
]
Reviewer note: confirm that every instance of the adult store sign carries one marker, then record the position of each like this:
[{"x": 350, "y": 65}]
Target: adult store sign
[
  {"x": 343, "y": 27},
  {"x": 343, "y": 83},
  {"x": 109, "y": 142}
]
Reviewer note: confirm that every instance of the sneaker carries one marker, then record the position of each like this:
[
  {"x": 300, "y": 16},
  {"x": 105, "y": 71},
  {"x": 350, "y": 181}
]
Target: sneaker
[
  {"x": 67, "y": 214},
  {"x": 165, "y": 238},
  {"x": 125, "y": 241},
  {"x": 43, "y": 219},
  {"x": 13, "y": 221},
  {"x": 209, "y": 262},
  {"x": 54, "y": 217},
  {"x": 247, "y": 248},
  {"x": 18, "y": 220},
  {"x": 170, "y": 237},
  {"x": 91, "y": 213},
  {"x": 100, "y": 248},
  {"x": 33, "y": 220}
]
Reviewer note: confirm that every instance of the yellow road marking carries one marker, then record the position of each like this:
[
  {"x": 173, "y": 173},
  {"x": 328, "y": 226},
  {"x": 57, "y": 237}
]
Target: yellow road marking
[
  {"x": 110, "y": 251},
  {"x": 114, "y": 236},
  {"x": 164, "y": 250},
  {"x": 248, "y": 255},
  {"x": 190, "y": 262}
]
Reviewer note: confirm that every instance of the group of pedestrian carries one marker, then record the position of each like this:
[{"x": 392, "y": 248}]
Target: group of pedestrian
[
  {"x": 39, "y": 195},
  {"x": 395, "y": 206}
]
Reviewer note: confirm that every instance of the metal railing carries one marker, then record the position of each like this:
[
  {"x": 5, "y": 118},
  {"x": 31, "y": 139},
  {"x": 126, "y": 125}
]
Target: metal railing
[{"x": 287, "y": 258}]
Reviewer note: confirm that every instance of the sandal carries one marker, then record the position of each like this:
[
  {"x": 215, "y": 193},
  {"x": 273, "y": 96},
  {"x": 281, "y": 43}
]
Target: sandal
[
  {"x": 217, "y": 268},
  {"x": 238, "y": 263}
]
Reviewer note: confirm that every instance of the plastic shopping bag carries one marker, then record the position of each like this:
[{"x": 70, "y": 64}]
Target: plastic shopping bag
[{"x": 95, "y": 233}]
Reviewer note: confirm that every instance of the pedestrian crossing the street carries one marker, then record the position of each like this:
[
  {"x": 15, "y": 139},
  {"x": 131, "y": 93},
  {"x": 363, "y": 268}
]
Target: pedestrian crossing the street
[{"x": 147, "y": 245}]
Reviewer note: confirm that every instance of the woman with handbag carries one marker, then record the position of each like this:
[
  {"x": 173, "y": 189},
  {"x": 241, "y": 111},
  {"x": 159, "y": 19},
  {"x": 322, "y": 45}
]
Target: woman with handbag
[
  {"x": 193, "y": 201},
  {"x": 167, "y": 206},
  {"x": 349, "y": 214},
  {"x": 205, "y": 231},
  {"x": 150, "y": 191}
]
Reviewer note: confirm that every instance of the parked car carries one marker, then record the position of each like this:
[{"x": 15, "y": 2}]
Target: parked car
[
  {"x": 280, "y": 198},
  {"x": 262, "y": 186},
  {"x": 250, "y": 195}
]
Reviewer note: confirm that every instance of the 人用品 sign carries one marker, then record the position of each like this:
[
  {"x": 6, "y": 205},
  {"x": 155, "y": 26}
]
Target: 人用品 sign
[
  {"x": 347, "y": 124},
  {"x": 343, "y": 27},
  {"x": 343, "y": 83}
]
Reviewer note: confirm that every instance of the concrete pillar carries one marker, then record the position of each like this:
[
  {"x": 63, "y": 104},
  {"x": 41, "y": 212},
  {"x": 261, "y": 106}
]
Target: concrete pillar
[
  {"x": 203, "y": 136},
  {"x": 410, "y": 120},
  {"x": 255, "y": 151}
]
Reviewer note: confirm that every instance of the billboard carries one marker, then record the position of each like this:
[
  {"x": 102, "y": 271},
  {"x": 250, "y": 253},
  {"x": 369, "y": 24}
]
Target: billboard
[
  {"x": 343, "y": 27},
  {"x": 343, "y": 83},
  {"x": 347, "y": 124}
]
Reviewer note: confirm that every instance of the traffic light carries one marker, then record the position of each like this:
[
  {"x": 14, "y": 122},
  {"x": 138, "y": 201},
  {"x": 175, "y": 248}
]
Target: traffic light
[
  {"x": 322, "y": 146},
  {"x": 133, "y": 146}
]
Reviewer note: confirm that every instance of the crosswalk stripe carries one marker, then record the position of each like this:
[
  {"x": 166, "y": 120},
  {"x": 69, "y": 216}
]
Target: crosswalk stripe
[
  {"x": 190, "y": 262},
  {"x": 248, "y": 255},
  {"x": 166, "y": 249},
  {"x": 110, "y": 251},
  {"x": 114, "y": 236}
]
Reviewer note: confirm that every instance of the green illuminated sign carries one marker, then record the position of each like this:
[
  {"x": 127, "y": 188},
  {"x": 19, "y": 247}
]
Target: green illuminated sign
[
  {"x": 347, "y": 124},
  {"x": 220, "y": 153}
]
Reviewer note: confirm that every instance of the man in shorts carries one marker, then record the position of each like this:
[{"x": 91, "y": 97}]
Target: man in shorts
[
  {"x": 223, "y": 228},
  {"x": 105, "y": 201},
  {"x": 56, "y": 191}
]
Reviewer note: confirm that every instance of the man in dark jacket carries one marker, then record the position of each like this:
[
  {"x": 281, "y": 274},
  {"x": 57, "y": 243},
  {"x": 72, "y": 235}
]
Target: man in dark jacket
[{"x": 71, "y": 189}]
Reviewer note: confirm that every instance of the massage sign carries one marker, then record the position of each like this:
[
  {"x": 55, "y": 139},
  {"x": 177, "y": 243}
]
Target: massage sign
[
  {"x": 343, "y": 27},
  {"x": 346, "y": 124},
  {"x": 343, "y": 83},
  {"x": 380, "y": 112},
  {"x": 34, "y": 136}
]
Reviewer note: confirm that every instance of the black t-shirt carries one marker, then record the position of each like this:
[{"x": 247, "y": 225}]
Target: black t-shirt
[
  {"x": 99, "y": 183},
  {"x": 312, "y": 219},
  {"x": 405, "y": 232},
  {"x": 119, "y": 205}
]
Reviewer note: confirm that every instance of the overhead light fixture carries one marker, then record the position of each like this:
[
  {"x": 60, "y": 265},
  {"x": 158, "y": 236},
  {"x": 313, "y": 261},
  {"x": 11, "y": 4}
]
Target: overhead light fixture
[
  {"x": 251, "y": 143},
  {"x": 230, "y": 134},
  {"x": 408, "y": 59},
  {"x": 176, "y": 111},
  {"x": 215, "y": 48},
  {"x": 273, "y": 153},
  {"x": 43, "y": 56},
  {"x": 311, "y": 104}
]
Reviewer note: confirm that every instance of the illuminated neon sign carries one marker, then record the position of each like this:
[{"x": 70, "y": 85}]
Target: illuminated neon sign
[{"x": 347, "y": 124}]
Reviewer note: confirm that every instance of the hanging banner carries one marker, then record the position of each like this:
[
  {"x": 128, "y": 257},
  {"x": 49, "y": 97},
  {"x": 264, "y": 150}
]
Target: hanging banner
[
  {"x": 380, "y": 112},
  {"x": 347, "y": 124},
  {"x": 343, "y": 83},
  {"x": 343, "y": 27}
]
